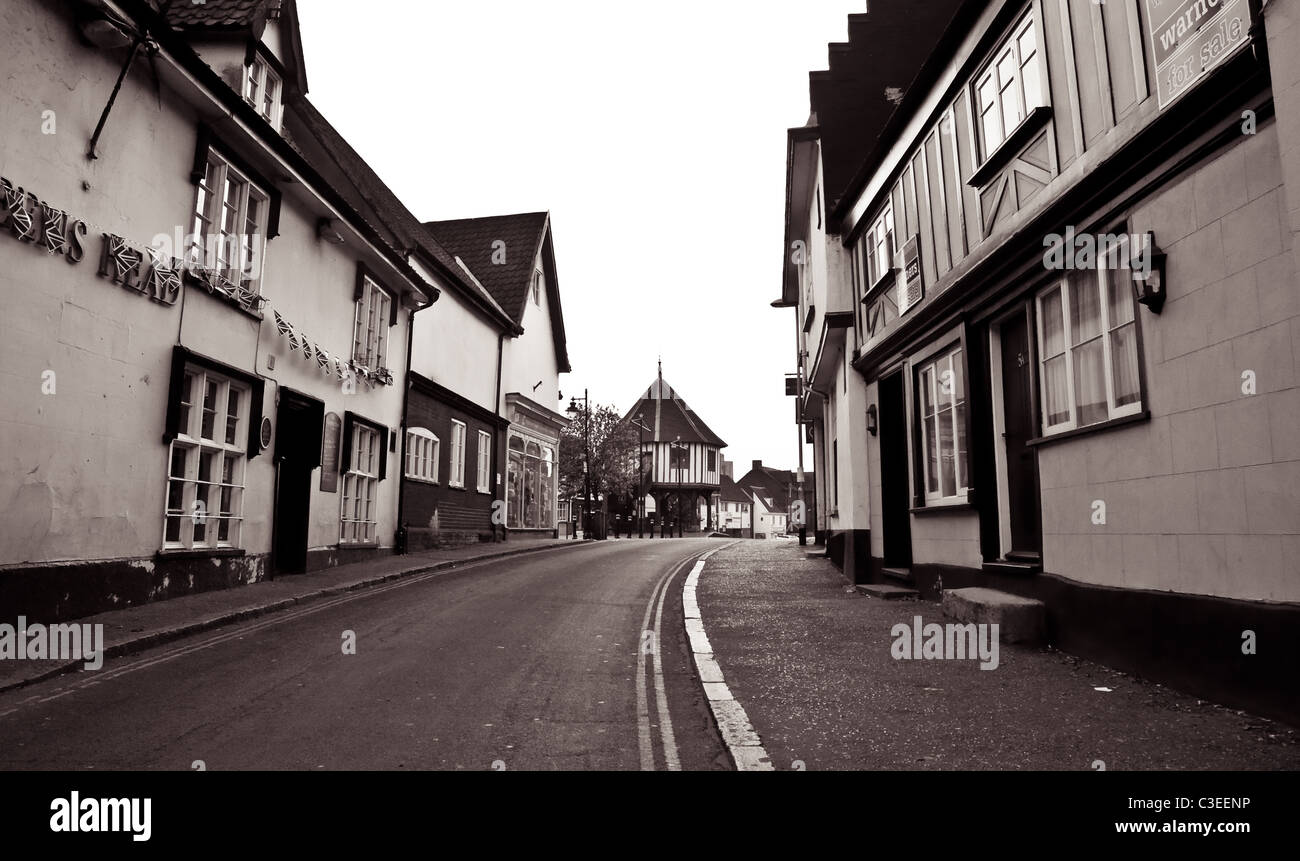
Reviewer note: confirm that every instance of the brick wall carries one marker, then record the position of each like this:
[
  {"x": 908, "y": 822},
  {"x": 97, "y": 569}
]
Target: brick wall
[{"x": 464, "y": 515}]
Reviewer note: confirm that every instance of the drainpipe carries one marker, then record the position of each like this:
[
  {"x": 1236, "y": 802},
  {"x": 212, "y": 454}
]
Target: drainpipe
[
  {"x": 401, "y": 538},
  {"x": 496, "y": 449}
]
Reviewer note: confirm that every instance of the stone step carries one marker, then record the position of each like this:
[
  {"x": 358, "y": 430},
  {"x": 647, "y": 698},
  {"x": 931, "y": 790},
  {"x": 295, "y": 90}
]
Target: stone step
[
  {"x": 820, "y": 553},
  {"x": 1019, "y": 620},
  {"x": 885, "y": 591},
  {"x": 902, "y": 575}
]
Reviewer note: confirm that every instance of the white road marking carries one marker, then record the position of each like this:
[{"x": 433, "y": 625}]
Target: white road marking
[
  {"x": 642, "y": 708},
  {"x": 665, "y": 719},
  {"x": 737, "y": 732}
]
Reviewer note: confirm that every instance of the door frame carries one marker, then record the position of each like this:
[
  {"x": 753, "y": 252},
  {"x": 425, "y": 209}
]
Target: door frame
[
  {"x": 902, "y": 465},
  {"x": 1022, "y": 307},
  {"x": 303, "y": 466}
]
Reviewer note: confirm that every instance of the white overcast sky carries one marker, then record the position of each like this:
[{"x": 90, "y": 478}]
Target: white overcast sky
[{"x": 654, "y": 134}]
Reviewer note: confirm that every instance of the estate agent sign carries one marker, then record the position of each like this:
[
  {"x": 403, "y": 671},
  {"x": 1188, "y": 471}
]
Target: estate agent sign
[{"x": 1190, "y": 38}]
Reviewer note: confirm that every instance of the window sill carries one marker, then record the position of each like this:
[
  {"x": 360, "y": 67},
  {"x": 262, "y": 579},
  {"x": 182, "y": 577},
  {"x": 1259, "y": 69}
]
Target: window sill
[
  {"x": 200, "y": 553},
  {"x": 359, "y": 545},
  {"x": 943, "y": 508},
  {"x": 1143, "y": 416},
  {"x": 890, "y": 274},
  {"x": 420, "y": 480},
  {"x": 1007, "y": 150},
  {"x": 456, "y": 487}
]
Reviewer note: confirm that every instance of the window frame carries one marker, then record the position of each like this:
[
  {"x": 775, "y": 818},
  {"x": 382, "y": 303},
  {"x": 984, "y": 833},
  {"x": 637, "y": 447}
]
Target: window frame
[
  {"x": 483, "y": 465},
  {"x": 207, "y": 222},
  {"x": 417, "y": 440},
  {"x": 960, "y": 418},
  {"x": 1114, "y": 411},
  {"x": 990, "y": 71},
  {"x": 456, "y": 463},
  {"x": 372, "y": 353},
  {"x": 190, "y": 439},
  {"x": 255, "y": 86},
  {"x": 366, "y": 480}
]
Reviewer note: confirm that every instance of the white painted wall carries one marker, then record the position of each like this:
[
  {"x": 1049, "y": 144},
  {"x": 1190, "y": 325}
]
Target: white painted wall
[
  {"x": 456, "y": 347},
  {"x": 85, "y": 467},
  {"x": 531, "y": 357}
]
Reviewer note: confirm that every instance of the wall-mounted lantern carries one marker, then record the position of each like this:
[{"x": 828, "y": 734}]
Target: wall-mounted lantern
[
  {"x": 1148, "y": 267},
  {"x": 871, "y": 419}
]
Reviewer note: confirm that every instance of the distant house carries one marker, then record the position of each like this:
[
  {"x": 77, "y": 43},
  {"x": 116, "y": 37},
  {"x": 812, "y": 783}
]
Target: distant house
[
  {"x": 680, "y": 458},
  {"x": 770, "y": 517},
  {"x": 735, "y": 509},
  {"x": 784, "y": 489}
]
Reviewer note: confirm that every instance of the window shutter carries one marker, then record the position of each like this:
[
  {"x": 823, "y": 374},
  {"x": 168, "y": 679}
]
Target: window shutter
[
  {"x": 383, "y": 452},
  {"x": 255, "y": 418},
  {"x": 203, "y": 144},
  {"x": 345, "y": 458},
  {"x": 273, "y": 217},
  {"x": 171, "y": 426}
]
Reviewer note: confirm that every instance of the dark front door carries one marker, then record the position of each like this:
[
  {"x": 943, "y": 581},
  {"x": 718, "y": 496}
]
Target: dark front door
[
  {"x": 896, "y": 519},
  {"x": 297, "y": 454},
  {"x": 1018, "y": 417}
]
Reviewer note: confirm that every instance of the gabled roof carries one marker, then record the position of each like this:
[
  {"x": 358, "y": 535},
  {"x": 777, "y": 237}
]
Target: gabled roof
[
  {"x": 670, "y": 418},
  {"x": 475, "y": 240},
  {"x": 776, "y": 483},
  {"x": 732, "y": 492},
  {"x": 382, "y": 208},
  {"x": 500, "y": 250}
]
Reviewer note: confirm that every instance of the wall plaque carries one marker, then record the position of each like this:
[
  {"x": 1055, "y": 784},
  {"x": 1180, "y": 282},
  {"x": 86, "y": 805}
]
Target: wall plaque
[{"x": 329, "y": 453}]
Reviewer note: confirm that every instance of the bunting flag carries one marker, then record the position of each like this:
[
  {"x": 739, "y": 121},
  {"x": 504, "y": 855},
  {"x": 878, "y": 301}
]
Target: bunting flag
[
  {"x": 56, "y": 241},
  {"x": 329, "y": 364},
  {"x": 124, "y": 258}
]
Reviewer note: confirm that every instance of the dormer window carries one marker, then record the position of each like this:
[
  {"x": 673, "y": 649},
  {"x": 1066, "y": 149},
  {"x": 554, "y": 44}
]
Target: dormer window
[{"x": 262, "y": 90}]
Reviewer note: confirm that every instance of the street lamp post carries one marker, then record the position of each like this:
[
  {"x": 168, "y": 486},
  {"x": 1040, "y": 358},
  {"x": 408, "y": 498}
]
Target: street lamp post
[
  {"x": 586, "y": 458},
  {"x": 640, "y": 476}
]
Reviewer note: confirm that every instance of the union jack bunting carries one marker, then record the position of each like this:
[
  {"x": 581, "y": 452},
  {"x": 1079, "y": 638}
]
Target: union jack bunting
[
  {"x": 124, "y": 258},
  {"x": 16, "y": 202},
  {"x": 56, "y": 240}
]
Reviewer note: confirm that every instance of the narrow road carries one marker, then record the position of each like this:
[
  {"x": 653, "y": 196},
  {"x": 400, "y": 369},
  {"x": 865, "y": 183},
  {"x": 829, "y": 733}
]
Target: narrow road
[{"x": 518, "y": 664}]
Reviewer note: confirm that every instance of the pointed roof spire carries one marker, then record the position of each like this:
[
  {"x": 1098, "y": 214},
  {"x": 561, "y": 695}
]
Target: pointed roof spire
[{"x": 672, "y": 419}]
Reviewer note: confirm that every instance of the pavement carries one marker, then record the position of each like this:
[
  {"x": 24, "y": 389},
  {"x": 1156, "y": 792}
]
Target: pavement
[
  {"x": 135, "y": 628},
  {"x": 809, "y": 659}
]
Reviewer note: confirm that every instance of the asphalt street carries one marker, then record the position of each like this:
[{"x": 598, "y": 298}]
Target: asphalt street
[{"x": 544, "y": 661}]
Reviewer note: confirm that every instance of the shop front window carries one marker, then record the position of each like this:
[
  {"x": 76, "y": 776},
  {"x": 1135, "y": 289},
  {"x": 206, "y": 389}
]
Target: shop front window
[{"x": 530, "y": 485}]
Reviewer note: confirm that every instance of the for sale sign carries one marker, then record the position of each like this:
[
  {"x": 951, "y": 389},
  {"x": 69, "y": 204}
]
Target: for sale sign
[{"x": 1190, "y": 38}]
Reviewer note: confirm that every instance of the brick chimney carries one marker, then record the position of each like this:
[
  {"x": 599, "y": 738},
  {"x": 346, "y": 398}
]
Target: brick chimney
[{"x": 758, "y": 464}]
